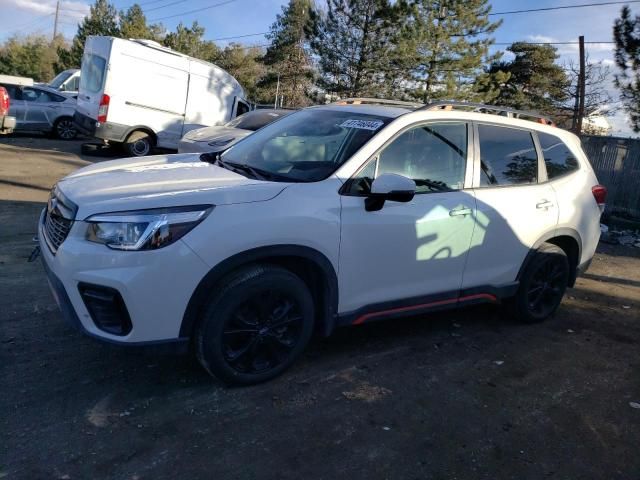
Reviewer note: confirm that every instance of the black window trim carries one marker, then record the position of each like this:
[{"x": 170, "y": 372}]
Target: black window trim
[
  {"x": 542, "y": 171},
  {"x": 470, "y": 164}
]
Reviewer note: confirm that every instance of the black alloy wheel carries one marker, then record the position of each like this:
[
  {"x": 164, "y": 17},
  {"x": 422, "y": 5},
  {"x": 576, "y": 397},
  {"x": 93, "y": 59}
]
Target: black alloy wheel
[
  {"x": 256, "y": 324},
  {"x": 542, "y": 284},
  {"x": 64, "y": 129}
]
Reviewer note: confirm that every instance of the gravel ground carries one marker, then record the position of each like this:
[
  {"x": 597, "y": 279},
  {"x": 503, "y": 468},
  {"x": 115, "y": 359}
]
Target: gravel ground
[{"x": 462, "y": 395}]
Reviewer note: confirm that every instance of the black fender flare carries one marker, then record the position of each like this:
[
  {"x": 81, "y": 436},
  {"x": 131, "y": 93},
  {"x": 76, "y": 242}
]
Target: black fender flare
[
  {"x": 266, "y": 254},
  {"x": 556, "y": 232}
]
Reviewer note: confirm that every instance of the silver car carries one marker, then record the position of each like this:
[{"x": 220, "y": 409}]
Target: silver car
[
  {"x": 42, "y": 109},
  {"x": 213, "y": 139}
]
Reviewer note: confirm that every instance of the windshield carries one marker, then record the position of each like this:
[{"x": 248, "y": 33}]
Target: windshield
[
  {"x": 60, "y": 79},
  {"x": 306, "y": 146},
  {"x": 256, "y": 119}
]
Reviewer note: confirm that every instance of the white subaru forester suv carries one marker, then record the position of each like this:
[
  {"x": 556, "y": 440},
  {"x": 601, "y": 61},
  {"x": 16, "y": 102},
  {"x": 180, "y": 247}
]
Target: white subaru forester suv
[{"x": 334, "y": 215}]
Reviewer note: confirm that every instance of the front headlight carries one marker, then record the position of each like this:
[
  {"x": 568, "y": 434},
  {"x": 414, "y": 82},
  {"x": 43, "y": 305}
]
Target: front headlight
[{"x": 144, "y": 229}]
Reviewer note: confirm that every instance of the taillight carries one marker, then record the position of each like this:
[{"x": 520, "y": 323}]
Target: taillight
[
  {"x": 103, "y": 109},
  {"x": 4, "y": 101},
  {"x": 600, "y": 194}
]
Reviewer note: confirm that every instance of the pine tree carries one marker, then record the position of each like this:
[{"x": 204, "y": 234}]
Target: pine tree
[
  {"x": 133, "y": 24},
  {"x": 102, "y": 20},
  {"x": 188, "y": 40},
  {"x": 535, "y": 81},
  {"x": 245, "y": 65},
  {"x": 289, "y": 68},
  {"x": 626, "y": 33},
  {"x": 354, "y": 43},
  {"x": 443, "y": 47}
]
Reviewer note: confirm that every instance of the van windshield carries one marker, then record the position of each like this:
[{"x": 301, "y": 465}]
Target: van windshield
[
  {"x": 60, "y": 79},
  {"x": 306, "y": 146},
  {"x": 92, "y": 76}
]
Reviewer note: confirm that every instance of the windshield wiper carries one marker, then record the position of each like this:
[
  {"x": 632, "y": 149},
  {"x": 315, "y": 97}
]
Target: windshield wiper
[{"x": 255, "y": 172}]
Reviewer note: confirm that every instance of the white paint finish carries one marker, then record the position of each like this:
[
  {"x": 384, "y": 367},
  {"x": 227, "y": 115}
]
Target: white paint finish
[
  {"x": 155, "y": 290},
  {"x": 508, "y": 224},
  {"x": 404, "y": 250},
  {"x": 162, "y": 180},
  {"x": 166, "y": 91}
]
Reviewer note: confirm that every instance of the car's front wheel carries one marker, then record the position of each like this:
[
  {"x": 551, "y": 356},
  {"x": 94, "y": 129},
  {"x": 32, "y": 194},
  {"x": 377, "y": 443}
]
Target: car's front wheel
[
  {"x": 255, "y": 326},
  {"x": 542, "y": 284},
  {"x": 64, "y": 129}
]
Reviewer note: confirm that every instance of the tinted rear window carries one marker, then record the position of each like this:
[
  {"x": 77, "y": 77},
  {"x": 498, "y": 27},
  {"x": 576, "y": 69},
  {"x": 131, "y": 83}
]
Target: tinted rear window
[
  {"x": 507, "y": 156},
  {"x": 558, "y": 159},
  {"x": 92, "y": 77}
]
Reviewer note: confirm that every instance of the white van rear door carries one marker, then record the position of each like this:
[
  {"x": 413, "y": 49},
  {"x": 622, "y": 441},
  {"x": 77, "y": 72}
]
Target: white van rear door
[{"x": 93, "y": 76}]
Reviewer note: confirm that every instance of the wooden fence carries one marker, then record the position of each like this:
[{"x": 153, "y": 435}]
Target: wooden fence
[{"x": 616, "y": 162}]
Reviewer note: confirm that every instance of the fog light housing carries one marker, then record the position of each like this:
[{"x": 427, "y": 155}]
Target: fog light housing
[{"x": 107, "y": 308}]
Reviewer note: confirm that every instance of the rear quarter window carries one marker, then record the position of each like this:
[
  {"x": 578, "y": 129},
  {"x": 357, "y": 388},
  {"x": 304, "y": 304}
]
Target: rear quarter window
[
  {"x": 558, "y": 158},
  {"x": 507, "y": 156}
]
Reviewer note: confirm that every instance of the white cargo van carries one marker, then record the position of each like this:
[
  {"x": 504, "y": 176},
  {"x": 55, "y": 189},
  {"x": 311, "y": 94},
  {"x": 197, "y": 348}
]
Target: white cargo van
[{"x": 141, "y": 94}]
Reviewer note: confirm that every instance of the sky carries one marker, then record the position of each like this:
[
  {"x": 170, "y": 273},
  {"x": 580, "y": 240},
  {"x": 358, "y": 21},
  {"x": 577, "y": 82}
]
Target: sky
[{"x": 231, "y": 18}]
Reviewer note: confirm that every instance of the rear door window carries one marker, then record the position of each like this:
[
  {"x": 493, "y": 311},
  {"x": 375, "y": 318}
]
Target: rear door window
[
  {"x": 507, "y": 156},
  {"x": 93, "y": 69},
  {"x": 558, "y": 159}
]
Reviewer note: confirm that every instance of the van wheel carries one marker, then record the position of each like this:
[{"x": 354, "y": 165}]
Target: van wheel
[
  {"x": 138, "y": 144},
  {"x": 255, "y": 326},
  {"x": 64, "y": 129},
  {"x": 542, "y": 284}
]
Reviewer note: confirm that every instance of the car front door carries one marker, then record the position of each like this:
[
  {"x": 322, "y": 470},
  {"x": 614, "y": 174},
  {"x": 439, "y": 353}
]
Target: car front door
[
  {"x": 515, "y": 204},
  {"x": 408, "y": 255}
]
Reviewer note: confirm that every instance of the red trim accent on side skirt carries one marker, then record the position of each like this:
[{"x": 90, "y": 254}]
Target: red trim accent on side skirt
[{"x": 363, "y": 318}]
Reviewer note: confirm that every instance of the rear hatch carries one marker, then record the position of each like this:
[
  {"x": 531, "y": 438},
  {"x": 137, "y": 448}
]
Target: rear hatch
[{"x": 93, "y": 75}]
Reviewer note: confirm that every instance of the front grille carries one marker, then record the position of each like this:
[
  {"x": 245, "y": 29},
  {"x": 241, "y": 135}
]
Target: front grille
[
  {"x": 58, "y": 219},
  {"x": 56, "y": 229}
]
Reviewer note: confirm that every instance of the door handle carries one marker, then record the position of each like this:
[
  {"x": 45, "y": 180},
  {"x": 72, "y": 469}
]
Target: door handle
[
  {"x": 460, "y": 212},
  {"x": 546, "y": 204}
]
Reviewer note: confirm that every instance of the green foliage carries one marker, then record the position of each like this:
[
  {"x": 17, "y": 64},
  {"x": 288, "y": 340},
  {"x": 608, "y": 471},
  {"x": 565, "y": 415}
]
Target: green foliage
[
  {"x": 133, "y": 24},
  {"x": 102, "y": 20},
  {"x": 443, "y": 46},
  {"x": 244, "y": 64},
  {"x": 189, "y": 40},
  {"x": 353, "y": 43},
  {"x": 31, "y": 56},
  {"x": 288, "y": 64},
  {"x": 535, "y": 81},
  {"x": 626, "y": 33}
]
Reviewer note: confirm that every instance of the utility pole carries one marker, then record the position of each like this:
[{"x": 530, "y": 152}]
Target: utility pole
[
  {"x": 55, "y": 22},
  {"x": 581, "y": 86},
  {"x": 275, "y": 104}
]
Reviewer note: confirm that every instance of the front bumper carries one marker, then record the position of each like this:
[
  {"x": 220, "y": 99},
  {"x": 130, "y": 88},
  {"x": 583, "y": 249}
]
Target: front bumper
[
  {"x": 155, "y": 286},
  {"x": 7, "y": 124}
]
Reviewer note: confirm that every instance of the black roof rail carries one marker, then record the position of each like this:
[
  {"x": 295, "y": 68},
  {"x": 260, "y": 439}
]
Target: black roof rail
[
  {"x": 491, "y": 109},
  {"x": 377, "y": 101}
]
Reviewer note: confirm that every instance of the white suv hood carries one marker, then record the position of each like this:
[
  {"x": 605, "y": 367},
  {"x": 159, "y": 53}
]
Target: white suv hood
[{"x": 160, "y": 181}]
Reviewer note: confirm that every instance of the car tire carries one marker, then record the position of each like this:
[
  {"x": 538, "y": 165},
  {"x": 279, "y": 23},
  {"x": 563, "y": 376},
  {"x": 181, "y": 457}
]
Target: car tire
[
  {"x": 542, "y": 284},
  {"x": 64, "y": 129},
  {"x": 138, "y": 144},
  {"x": 256, "y": 324}
]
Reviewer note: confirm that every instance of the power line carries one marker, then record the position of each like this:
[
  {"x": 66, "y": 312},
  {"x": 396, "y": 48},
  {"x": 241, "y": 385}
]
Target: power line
[
  {"x": 548, "y": 43},
  {"x": 563, "y": 7},
  {"x": 33, "y": 22},
  {"x": 165, "y": 6},
  {"x": 239, "y": 36},
  {"x": 196, "y": 10}
]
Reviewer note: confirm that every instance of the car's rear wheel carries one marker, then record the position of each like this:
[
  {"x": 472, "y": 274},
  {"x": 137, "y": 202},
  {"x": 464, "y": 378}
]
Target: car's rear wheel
[
  {"x": 138, "y": 144},
  {"x": 64, "y": 129},
  {"x": 255, "y": 326},
  {"x": 542, "y": 284}
]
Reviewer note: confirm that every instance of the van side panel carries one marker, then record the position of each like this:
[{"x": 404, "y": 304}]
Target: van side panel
[
  {"x": 212, "y": 92},
  {"x": 148, "y": 87}
]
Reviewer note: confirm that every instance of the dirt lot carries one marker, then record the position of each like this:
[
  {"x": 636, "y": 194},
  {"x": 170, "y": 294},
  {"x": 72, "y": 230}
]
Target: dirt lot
[{"x": 464, "y": 395}]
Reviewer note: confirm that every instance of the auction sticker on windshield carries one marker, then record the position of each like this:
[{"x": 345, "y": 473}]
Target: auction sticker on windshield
[{"x": 362, "y": 124}]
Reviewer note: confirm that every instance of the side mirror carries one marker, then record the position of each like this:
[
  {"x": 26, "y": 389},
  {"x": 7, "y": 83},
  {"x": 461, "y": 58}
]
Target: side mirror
[{"x": 389, "y": 186}]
